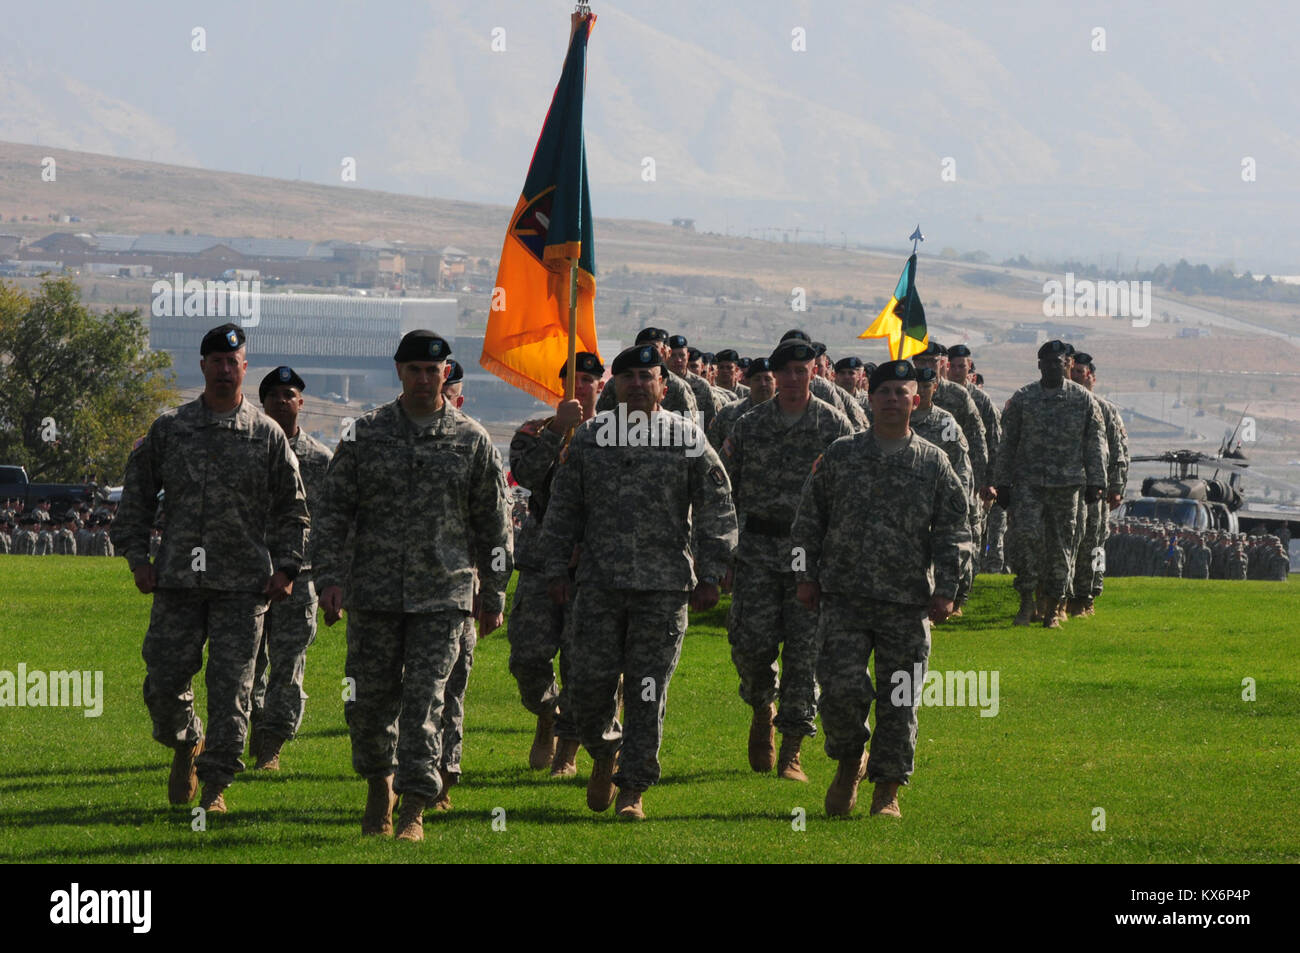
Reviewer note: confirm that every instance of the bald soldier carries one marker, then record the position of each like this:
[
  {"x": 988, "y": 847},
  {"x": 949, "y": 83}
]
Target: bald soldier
[
  {"x": 234, "y": 541},
  {"x": 768, "y": 454},
  {"x": 409, "y": 583},
  {"x": 882, "y": 525},
  {"x": 290, "y": 627},
  {"x": 648, "y": 503}
]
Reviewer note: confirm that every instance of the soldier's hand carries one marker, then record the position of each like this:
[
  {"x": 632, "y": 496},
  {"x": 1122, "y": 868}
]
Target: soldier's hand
[
  {"x": 560, "y": 589},
  {"x": 940, "y": 609},
  {"x": 278, "y": 587},
  {"x": 988, "y": 494},
  {"x": 568, "y": 413},
  {"x": 331, "y": 601},
  {"x": 146, "y": 578},
  {"x": 704, "y": 597},
  {"x": 1115, "y": 499},
  {"x": 1004, "y": 497},
  {"x": 1093, "y": 494},
  {"x": 489, "y": 622},
  {"x": 809, "y": 595}
]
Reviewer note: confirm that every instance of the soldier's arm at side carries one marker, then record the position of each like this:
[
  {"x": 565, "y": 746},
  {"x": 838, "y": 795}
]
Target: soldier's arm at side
[
  {"x": 808, "y": 531},
  {"x": 533, "y": 450},
  {"x": 330, "y": 528},
  {"x": 1094, "y": 447},
  {"x": 135, "y": 512},
  {"x": 565, "y": 521},
  {"x": 1003, "y": 475},
  {"x": 713, "y": 515},
  {"x": 490, "y": 533},
  {"x": 287, "y": 522},
  {"x": 949, "y": 532}
]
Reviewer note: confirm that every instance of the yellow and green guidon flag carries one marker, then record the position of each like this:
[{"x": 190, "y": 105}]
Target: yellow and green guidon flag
[
  {"x": 527, "y": 336},
  {"x": 903, "y": 318}
]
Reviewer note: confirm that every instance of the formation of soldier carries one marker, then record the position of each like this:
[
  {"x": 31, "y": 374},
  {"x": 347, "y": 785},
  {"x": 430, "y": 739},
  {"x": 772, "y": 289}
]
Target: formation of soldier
[
  {"x": 46, "y": 530},
  {"x": 1139, "y": 547}
]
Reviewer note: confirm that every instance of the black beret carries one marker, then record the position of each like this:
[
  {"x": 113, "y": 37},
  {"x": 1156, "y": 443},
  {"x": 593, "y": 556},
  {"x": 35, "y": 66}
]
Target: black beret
[
  {"x": 1052, "y": 349},
  {"x": 934, "y": 349},
  {"x": 281, "y": 375},
  {"x": 728, "y": 354},
  {"x": 637, "y": 356},
  {"x": 1069, "y": 348},
  {"x": 1082, "y": 358},
  {"x": 819, "y": 347},
  {"x": 587, "y": 362},
  {"x": 744, "y": 362},
  {"x": 651, "y": 335},
  {"x": 848, "y": 363},
  {"x": 694, "y": 354},
  {"x": 891, "y": 371},
  {"x": 228, "y": 337},
  {"x": 869, "y": 368},
  {"x": 457, "y": 372},
  {"x": 756, "y": 365},
  {"x": 925, "y": 374},
  {"x": 709, "y": 357},
  {"x": 959, "y": 350},
  {"x": 677, "y": 340},
  {"x": 790, "y": 350},
  {"x": 422, "y": 346},
  {"x": 795, "y": 333}
]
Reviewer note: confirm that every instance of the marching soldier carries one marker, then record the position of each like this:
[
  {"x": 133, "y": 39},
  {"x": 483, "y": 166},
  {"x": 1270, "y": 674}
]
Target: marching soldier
[
  {"x": 761, "y": 387},
  {"x": 679, "y": 399}
]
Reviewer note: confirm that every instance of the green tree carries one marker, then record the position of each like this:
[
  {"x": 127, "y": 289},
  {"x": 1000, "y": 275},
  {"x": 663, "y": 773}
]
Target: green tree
[{"x": 76, "y": 388}]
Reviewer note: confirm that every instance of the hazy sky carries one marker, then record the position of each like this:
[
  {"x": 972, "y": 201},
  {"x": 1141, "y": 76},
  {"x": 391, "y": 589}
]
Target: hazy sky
[{"x": 1153, "y": 130}]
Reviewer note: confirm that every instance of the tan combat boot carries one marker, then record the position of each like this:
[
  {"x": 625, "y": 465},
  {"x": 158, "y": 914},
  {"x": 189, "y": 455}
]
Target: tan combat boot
[
  {"x": 543, "y": 749},
  {"x": 449, "y": 781},
  {"x": 1074, "y": 607},
  {"x": 629, "y": 806},
  {"x": 565, "y": 763},
  {"x": 842, "y": 795},
  {"x": 380, "y": 801},
  {"x": 762, "y": 739},
  {"x": 1089, "y": 608},
  {"x": 410, "y": 820},
  {"x": 1026, "y": 614},
  {"x": 600, "y": 786},
  {"x": 183, "y": 782},
  {"x": 212, "y": 800},
  {"x": 1050, "y": 612},
  {"x": 268, "y": 755},
  {"x": 884, "y": 799},
  {"x": 787, "y": 763}
]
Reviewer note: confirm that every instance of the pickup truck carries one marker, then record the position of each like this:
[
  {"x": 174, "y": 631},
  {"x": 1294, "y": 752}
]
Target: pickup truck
[{"x": 14, "y": 485}]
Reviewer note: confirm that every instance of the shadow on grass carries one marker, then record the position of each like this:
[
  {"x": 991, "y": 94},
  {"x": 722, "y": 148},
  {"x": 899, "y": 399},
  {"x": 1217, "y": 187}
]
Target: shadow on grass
[{"x": 65, "y": 773}]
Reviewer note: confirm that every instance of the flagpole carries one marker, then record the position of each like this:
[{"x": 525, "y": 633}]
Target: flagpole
[{"x": 571, "y": 376}]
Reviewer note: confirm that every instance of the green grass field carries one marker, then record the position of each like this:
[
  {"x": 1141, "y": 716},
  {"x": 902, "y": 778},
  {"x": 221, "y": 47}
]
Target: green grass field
[{"x": 1138, "y": 711}]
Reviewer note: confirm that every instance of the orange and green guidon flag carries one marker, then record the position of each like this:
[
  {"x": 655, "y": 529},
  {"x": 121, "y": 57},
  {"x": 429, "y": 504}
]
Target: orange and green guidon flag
[
  {"x": 527, "y": 338},
  {"x": 903, "y": 318}
]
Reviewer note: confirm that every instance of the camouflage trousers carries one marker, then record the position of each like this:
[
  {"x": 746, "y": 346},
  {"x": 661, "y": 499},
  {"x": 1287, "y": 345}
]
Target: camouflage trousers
[
  {"x": 966, "y": 564},
  {"x": 278, "y": 695},
  {"x": 637, "y": 634},
  {"x": 181, "y": 621},
  {"x": 849, "y": 631},
  {"x": 991, "y": 548},
  {"x": 453, "y": 709},
  {"x": 399, "y": 664},
  {"x": 539, "y": 630},
  {"x": 1090, "y": 553},
  {"x": 1043, "y": 530},
  {"x": 765, "y": 615}
]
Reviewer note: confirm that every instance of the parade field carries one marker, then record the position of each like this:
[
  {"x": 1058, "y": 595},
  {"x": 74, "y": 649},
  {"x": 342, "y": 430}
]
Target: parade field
[{"x": 1162, "y": 730}]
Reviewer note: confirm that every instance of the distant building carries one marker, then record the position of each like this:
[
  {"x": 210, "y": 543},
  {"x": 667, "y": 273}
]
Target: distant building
[{"x": 686, "y": 223}]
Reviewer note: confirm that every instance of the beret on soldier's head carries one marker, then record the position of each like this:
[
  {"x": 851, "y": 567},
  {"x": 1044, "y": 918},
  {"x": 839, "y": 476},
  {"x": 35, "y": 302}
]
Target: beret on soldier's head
[
  {"x": 651, "y": 336},
  {"x": 848, "y": 363},
  {"x": 934, "y": 349},
  {"x": 789, "y": 350},
  {"x": 635, "y": 357},
  {"x": 959, "y": 350},
  {"x": 924, "y": 375},
  {"x": 868, "y": 368},
  {"x": 281, "y": 375},
  {"x": 1053, "y": 349},
  {"x": 222, "y": 340},
  {"x": 1085, "y": 359},
  {"x": 819, "y": 347},
  {"x": 678, "y": 340},
  {"x": 728, "y": 354},
  {"x": 708, "y": 357},
  {"x": 796, "y": 335},
  {"x": 891, "y": 371},
  {"x": 694, "y": 354},
  {"x": 756, "y": 365},
  {"x": 457, "y": 372},
  {"x": 586, "y": 362},
  {"x": 422, "y": 345}
]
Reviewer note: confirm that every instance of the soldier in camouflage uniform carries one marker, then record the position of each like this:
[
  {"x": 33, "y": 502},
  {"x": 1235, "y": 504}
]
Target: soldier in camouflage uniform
[
  {"x": 1236, "y": 562},
  {"x": 408, "y": 592},
  {"x": 676, "y": 360},
  {"x": 65, "y": 543},
  {"x": 44, "y": 541},
  {"x": 730, "y": 373},
  {"x": 25, "y": 539},
  {"x": 1089, "y": 558},
  {"x": 1198, "y": 559},
  {"x": 235, "y": 530},
  {"x": 680, "y": 398},
  {"x": 940, "y": 428},
  {"x": 101, "y": 543},
  {"x": 829, "y": 391},
  {"x": 86, "y": 539},
  {"x": 762, "y": 387},
  {"x": 290, "y": 627},
  {"x": 768, "y": 454},
  {"x": 960, "y": 369},
  {"x": 538, "y": 628},
  {"x": 648, "y": 501},
  {"x": 882, "y": 524},
  {"x": 6, "y": 544},
  {"x": 1052, "y": 449}
]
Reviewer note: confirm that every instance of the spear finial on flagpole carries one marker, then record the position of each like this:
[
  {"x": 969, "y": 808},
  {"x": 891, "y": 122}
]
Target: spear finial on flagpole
[{"x": 915, "y": 237}]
